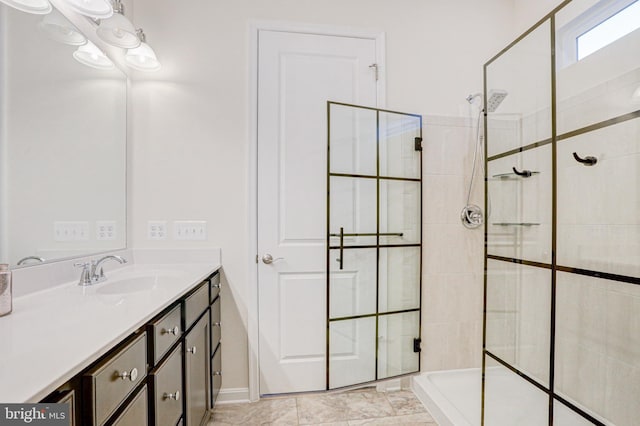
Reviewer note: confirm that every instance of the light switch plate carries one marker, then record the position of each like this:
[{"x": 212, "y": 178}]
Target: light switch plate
[
  {"x": 105, "y": 230},
  {"x": 193, "y": 230},
  {"x": 70, "y": 231},
  {"x": 157, "y": 229}
]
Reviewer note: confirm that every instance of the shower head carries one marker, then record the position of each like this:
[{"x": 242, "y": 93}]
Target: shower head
[{"x": 495, "y": 98}]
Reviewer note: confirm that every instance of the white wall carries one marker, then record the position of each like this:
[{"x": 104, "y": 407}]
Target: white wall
[{"x": 189, "y": 122}]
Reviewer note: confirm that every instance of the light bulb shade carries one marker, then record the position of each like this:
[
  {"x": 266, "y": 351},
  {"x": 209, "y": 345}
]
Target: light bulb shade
[
  {"x": 118, "y": 31},
  {"x": 58, "y": 28},
  {"x": 142, "y": 58},
  {"x": 38, "y": 7},
  {"x": 91, "y": 56},
  {"x": 98, "y": 9}
]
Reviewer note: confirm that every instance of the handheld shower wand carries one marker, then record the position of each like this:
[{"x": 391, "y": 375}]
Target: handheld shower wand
[{"x": 471, "y": 215}]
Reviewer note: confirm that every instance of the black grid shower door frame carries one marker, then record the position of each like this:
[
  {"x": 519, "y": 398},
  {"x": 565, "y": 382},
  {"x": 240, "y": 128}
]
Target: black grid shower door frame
[
  {"x": 553, "y": 267},
  {"x": 378, "y": 178}
]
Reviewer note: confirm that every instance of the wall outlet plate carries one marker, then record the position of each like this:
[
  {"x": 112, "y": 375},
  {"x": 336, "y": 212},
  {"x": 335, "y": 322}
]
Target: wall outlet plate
[
  {"x": 157, "y": 230},
  {"x": 192, "y": 230},
  {"x": 105, "y": 230}
]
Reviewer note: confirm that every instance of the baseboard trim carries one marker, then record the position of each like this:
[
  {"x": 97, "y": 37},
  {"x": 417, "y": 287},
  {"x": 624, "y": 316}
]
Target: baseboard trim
[{"x": 233, "y": 396}]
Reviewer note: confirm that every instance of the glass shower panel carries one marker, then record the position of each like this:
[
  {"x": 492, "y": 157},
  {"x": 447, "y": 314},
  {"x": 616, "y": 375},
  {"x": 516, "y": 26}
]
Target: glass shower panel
[
  {"x": 511, "y": 400},
  {"x": 398, "y": 156},
  {"x": 399, "y": 279},
  {"x": 519, "y": 200},
  {"x": 353, "y": 140},
  {"x": 352, "y": 282},
  {"x": 396, "y": 334},
  {"x": 522, "y": 74},
  {"x": 374, "y": 254},
  {"x": 518, "y": 306},
  {"x": 598, "y": 346},
  {"x": 400, "y": 212},
  {"x": 601, "y": 86},
  {"x": 352, "y": 355},
  {"x": 353, "y": 208},
  {"x": 598, "y": 221}
]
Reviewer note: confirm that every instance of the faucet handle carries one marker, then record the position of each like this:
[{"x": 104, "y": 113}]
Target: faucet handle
[{"x": 85, "y": 275}]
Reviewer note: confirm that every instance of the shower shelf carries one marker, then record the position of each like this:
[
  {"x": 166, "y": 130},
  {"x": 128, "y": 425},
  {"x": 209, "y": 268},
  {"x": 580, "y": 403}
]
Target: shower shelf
[
  {"x": 516, "y": 224},
  {"x": 511, "y": 176}
]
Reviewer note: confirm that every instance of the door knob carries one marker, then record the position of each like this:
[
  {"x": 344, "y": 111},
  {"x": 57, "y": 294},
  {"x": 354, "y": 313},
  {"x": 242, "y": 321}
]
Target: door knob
[{"x": 268, "y": 259}]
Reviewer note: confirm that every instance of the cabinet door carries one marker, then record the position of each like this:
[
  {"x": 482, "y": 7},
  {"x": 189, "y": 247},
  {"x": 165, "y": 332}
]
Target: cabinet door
[
  {"x": 197, "y": 372},
  {"x": 216, "y": 375}
]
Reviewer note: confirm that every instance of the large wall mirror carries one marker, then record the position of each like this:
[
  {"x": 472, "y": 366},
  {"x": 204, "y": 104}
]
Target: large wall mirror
[{"x": 62, "y": 148}]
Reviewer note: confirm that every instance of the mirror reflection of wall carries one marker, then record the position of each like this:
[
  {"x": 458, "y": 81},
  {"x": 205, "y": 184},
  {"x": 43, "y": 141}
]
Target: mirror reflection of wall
[{"x": 62, "y": 147}]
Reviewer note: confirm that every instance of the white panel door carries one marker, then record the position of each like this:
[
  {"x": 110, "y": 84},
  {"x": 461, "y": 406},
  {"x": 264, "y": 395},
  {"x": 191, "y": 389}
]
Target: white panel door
[{"x": 297, "y": 74}]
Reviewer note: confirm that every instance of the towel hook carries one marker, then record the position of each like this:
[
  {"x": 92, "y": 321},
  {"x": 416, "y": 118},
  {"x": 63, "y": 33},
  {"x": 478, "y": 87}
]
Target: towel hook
[
  {"x": 524, "y": 173},
  {"x": 587, "y": 161}
]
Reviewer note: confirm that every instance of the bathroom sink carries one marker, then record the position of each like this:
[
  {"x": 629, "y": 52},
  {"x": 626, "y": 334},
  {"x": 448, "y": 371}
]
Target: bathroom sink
[{"x": 137, "y": 281}]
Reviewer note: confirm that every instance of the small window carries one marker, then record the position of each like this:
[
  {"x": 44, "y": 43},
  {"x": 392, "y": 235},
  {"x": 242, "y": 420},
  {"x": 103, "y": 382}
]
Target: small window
[
  {"x": 609, "y": 30},
  {"x": 600, "y": 25}
]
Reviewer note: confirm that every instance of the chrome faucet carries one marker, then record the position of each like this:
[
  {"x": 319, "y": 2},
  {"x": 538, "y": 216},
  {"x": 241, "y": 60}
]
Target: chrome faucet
[{"x": 92, "y": 273}]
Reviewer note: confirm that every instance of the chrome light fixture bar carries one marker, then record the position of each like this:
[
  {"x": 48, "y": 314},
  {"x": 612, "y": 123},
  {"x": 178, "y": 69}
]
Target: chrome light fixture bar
[
  {"x": 142, "y": 58},
  {"x": 37, "y": 7},
  {"x": 58, "y": 28},
  {"x": 118, "y": 30},
  {"x": 90, "y": 55},
  {"x": 96, "y": 9}
]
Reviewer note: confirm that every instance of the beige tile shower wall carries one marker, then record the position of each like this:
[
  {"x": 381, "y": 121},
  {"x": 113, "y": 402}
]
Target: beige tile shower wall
[{"x": 453, "y": 255}]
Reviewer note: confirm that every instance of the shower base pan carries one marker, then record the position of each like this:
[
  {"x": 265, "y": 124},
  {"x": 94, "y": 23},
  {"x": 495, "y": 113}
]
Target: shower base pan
[{"x": 453, "y": 399}]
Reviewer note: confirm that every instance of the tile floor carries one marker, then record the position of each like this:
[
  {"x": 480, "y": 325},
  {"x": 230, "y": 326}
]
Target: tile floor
[{"x": 357, "y": 407}]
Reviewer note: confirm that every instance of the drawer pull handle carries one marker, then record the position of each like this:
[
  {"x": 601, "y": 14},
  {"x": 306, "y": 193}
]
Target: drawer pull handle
[
  {"x": 192, "y": 350},
  {"x": 131, "y": 375},
  {"x": 175, "y": 330},
  {"x": 175, "y": 396},
  {"x": 217, "y": 285},
  {"x": 217, "y": 373},
  {"x": 217, "y": 324}
]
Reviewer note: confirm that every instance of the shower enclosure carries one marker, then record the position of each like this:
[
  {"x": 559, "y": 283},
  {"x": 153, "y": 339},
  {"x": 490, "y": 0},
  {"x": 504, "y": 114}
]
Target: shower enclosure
[
  {"x": 374, "y": 244},
  {"x": 562, "y": 282}
]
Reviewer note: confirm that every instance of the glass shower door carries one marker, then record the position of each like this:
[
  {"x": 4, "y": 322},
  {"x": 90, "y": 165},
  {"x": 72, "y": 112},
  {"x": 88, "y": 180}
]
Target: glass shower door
[{"x": 374, "y": 244}]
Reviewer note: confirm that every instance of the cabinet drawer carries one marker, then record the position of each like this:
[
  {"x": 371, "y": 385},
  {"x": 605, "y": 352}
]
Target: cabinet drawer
[
  {"x": 216, "y": 325},
  {"x": 164, "y": 332},
  {"x": 195, "y": 304},
  {"x": 215, "y": 287},
  {"x": 216, "y": 375},
  {"x": 167, "y": 390},
  {"x": 136, "y": 412},
  {"x": 111, "y": 381}
]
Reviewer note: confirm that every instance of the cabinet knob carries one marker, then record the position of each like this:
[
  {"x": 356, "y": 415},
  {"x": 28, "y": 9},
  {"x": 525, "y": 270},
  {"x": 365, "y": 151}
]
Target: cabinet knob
[
  {"x": 131, "y": 375},
  {"x": 175, "y": 330},
  {"x": 217, "y": 285},
  {"x": 175, "y": 396},
  {"x": 192, "y": 350},
  {"x": 217, "y": 324},
  {"x": 217, "y": 373}
]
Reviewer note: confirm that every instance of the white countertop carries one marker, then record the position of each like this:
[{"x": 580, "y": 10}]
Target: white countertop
[{"x": 55, "y": 333}]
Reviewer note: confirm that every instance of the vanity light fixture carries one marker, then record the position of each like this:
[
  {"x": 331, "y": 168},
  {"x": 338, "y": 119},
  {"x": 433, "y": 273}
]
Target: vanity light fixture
[
  {"x": 58, "y": 28},
  {"x": 38, "y": 7},
  {"x": 96, "y": 9},
  {"x": 118, "y": 30},
  {"x": 142, "y": 58},
  {"x": 90, "y": 55}
]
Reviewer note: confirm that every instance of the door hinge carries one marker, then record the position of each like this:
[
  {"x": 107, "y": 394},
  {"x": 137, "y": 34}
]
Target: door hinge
[
  {"x": 418, "y": 144},
  {"x": 416, "y": 345},
  {"x": 375, "y": 70}
]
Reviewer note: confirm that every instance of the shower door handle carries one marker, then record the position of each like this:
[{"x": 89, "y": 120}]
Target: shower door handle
[{"x": 267, "y": 259}]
